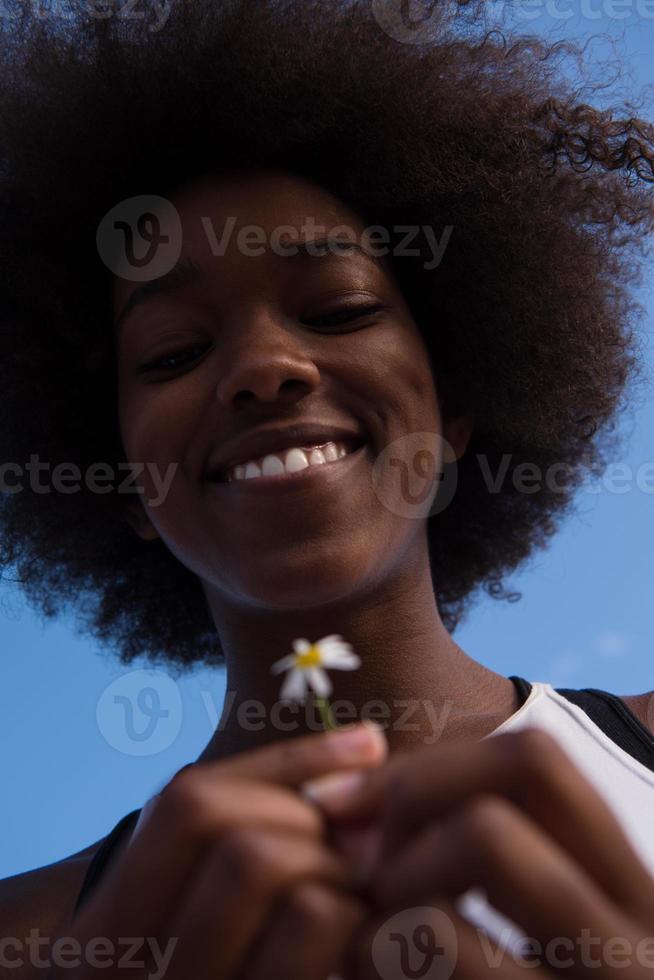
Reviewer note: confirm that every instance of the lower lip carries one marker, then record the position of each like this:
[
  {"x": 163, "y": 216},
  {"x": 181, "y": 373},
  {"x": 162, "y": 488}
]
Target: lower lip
[{"x": 307, "y": 477}]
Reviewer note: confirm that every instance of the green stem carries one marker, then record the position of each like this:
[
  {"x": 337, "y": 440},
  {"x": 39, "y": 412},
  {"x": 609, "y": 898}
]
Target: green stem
[{"x": 326, "y": 713}]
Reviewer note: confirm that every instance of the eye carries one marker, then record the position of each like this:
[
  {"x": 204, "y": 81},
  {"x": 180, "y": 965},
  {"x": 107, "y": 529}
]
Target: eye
[
  {"x": 345, "y": 315},
  {"x": 178, "y": 359},
  {"x": 171, "y": 362}
]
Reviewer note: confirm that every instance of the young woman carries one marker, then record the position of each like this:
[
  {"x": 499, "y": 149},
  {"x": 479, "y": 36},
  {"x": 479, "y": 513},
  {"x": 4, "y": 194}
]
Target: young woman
[{"x": 179, "y": 301}]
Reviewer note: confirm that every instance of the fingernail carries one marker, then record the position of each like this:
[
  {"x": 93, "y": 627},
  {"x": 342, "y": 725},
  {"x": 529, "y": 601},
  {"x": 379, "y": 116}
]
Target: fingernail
[
  {"x": 334, "y": 787},
  {"x": 360, "y": 736}
]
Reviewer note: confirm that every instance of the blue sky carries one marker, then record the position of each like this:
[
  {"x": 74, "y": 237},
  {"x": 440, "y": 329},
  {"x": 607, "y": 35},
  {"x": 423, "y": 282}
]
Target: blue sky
[{"x": 69, "y": 772}]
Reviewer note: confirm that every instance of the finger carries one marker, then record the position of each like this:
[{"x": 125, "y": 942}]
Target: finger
[
  {"x": 359, "y": 845},
  {"x": 526, "y": 875},
  {"x": 192, "y": 814},
  {"x": 434, "y": 940},
  {"x": 234, "y": 894},
  {"x": 308, "y": 937},
  {"x": 202, "y": 801},
  {"x": 531, "y": 770},
  {"x": 294, "y": 760}
]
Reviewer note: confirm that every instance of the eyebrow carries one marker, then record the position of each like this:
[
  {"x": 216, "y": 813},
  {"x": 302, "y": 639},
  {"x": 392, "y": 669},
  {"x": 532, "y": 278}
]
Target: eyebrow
[{"x": 186, "y": 271}]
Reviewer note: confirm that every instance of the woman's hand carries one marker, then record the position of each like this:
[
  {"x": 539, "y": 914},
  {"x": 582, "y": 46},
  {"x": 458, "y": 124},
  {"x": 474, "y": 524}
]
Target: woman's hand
[
  {"x": 513, "y": 816},
  {"x": 232, "y": 866}
]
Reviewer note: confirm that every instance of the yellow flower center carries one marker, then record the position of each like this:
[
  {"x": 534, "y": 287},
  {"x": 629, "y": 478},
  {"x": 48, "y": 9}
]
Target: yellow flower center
[{"x": 310, "y": 658}]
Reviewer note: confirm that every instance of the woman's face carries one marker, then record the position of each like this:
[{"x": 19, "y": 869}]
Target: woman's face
[{"x": 257, "y": 347}]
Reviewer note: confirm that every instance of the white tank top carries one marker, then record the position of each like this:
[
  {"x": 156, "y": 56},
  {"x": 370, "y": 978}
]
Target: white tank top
[{"x": 626, "y": 785}]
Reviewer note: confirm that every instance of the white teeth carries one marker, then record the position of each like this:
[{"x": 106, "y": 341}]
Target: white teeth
[
  {"x": 272, "y": 466},
  {"x": 296, "y": 459},
  {"x": 291, "y": 461}
]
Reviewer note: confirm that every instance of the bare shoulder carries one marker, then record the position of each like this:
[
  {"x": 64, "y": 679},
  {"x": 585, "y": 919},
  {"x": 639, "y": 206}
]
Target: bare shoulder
[
  {"x": 642, "y": 705},
  {"x": 43, "y": 898}
]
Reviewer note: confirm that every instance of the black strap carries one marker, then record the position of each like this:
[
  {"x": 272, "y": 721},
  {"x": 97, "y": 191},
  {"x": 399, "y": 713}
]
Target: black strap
[
  {"x": 615, "y": 719},
  {"x": 106, "y": 851},
  {"x": 522, "y": 686},
  {"x": 100, "y": 859},
  {"x": 610, "y": 714}
]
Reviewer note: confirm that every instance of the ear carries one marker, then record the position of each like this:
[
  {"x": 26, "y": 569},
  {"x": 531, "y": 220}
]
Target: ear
[
  {"x": 457, "y": 430},
  {"x": 138, "y": 520}
]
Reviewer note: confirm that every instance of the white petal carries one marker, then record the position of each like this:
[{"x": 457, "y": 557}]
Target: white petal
[
  {"x": 319, "y": 681},
  {"x": 332, "y": 638},
  {"x": 294, "y": 687},
  {"x": 332, "y": 645},
  {"x": 346, "y": 665},
  {"x": 341, "y": 661},
  {"x": 284, "y": 664},
  {"x": 335, "y": 652},
  {"x": 301, "y": 645}
]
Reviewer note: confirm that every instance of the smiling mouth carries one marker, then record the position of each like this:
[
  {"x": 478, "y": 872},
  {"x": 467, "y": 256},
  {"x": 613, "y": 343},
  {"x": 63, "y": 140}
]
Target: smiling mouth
[{"x": 292, "y": 466}]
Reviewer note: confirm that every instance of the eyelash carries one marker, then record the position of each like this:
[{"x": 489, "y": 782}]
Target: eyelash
[{"x": 340, "y": 316}]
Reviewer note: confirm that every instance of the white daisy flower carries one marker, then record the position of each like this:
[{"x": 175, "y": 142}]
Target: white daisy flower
[{"x": 306, "y": 667}]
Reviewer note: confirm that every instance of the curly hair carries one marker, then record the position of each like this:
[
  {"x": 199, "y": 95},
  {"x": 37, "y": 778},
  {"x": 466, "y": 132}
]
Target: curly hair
[{"x": 530, "y": 319}]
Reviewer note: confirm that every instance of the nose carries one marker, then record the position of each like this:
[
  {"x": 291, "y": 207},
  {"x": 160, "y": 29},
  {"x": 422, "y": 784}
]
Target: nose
[{"x": 267, "y": 365}]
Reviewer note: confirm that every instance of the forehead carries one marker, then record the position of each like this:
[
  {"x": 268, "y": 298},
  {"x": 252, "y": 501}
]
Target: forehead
[
  {"x": 212, "y": 213},
  {"x": 266, "y": 198}
]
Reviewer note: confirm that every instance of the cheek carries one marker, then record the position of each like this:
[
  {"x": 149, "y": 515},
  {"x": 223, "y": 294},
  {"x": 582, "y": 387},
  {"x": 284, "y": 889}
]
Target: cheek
[
  {"x": 157, "y": 424},
  {"x": 157, "y": 427},
  {"x": 407, "y": 466},
  {"x": 407, "y": 390},
  {"x": 419, "y": 379}
]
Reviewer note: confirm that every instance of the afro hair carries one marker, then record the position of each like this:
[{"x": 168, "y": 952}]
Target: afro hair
[{"x": 529, "y": 320}]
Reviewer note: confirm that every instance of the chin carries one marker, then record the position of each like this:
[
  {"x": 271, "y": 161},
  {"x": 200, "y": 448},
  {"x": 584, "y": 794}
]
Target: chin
[{"x": 304, "y": 589}]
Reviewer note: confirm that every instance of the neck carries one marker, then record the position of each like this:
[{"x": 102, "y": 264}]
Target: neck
[{"x": 413, "y": 679}]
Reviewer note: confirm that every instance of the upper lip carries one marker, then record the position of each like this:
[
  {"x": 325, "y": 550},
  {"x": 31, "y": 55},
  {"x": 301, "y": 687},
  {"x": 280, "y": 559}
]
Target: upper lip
[{"x": 264, "y": 441}]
